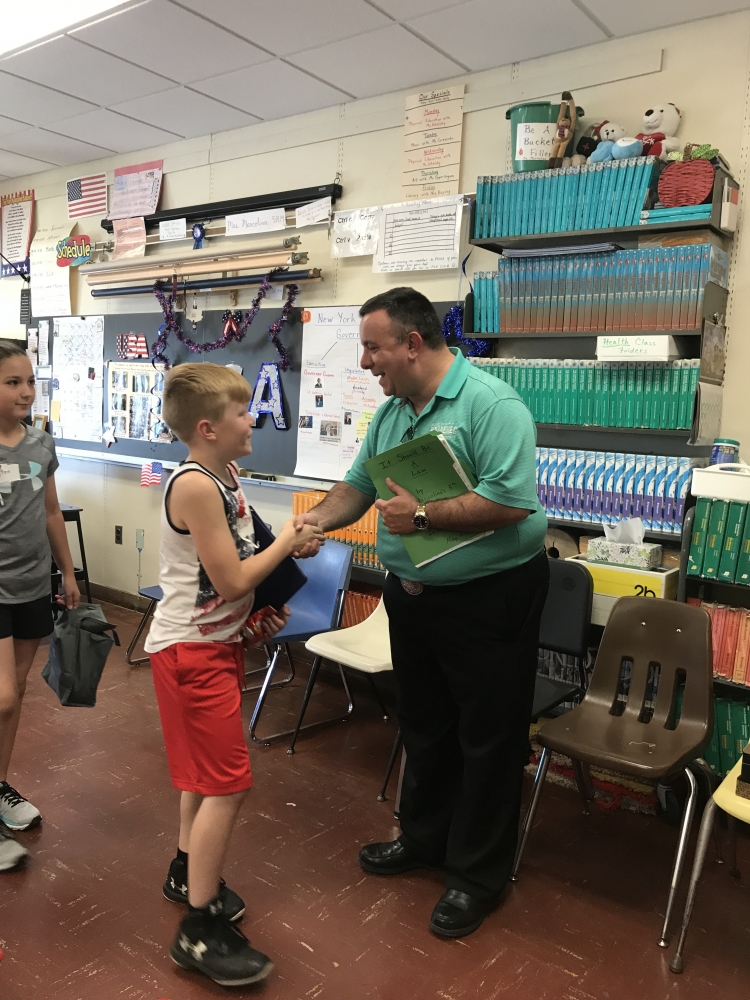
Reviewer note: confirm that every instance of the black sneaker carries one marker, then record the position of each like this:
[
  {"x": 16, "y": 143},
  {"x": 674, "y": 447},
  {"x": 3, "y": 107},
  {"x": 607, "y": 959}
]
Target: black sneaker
[
  {"x": 207, "y": 942},
  {"x": 175, "y": 889}
]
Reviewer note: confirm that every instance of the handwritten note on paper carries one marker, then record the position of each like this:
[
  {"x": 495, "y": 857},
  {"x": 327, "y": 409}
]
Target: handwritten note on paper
[
  {"x": 136, "y": 190},
  {"x": 355, "y": 232},
  {"x": 646, "y": 347},
  {"x": 315, "y": 211},
  {"x": 268, "y": 221},
  {"x": 50, "y": 284},
  {"x": 419, "y": 236},
  {"x": 130, "y": 238},
  {"x": 433, "y": 125},
  {"x": 172, "y": 229}
]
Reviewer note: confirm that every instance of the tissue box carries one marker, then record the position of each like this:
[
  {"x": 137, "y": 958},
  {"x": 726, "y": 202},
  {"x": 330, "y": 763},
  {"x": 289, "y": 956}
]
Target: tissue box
[{"x": 643, "y": 555}]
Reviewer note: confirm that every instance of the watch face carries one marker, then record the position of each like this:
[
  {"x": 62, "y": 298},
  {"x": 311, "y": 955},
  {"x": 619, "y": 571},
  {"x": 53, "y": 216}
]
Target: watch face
[{"x": 421, "y": 521}]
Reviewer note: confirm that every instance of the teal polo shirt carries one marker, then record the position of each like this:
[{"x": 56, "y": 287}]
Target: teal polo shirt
[{"x": 491, "y": 430}]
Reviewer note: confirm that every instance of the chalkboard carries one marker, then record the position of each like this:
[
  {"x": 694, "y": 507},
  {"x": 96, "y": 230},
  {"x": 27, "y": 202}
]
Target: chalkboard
[{"x": 274, "y": 451}]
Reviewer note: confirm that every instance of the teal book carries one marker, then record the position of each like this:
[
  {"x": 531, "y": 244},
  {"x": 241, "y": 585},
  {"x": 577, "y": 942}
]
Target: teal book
[
  {"x": 679, "y": 277},
  {"x": 656, "y": 394},
  {"x": 583, "y": 181},
  {"x": 630, "y": 395},
  {"x": 669, "y": 292},
  {"x": 675, "y": 373},
  {"x": 606, "y": 404},
  {"x": 688, "y": 313},
  {"x": 699, "y": 537},
  {"x": 640, "y": 295},
  {"x": 598, "y": 393},
  {"x": 648, "y": 393},
  {"x": 640, "y": 372},
  {"x": 685, "y": 412},
  {"x": 626, "y": 168},
  {"x": 555, "y": 317},
  {"x": 428, "y": 468},
  {"x": 479, "y": 209}
]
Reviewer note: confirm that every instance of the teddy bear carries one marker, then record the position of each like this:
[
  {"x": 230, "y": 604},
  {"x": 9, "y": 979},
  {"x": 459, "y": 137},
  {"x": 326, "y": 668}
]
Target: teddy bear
[
  {"x": 591, "y": 142},
  {"x": 660, "y": 123}
]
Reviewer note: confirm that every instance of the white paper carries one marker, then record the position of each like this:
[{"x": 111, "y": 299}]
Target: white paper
[
  {"x": 534, "y": 140},
  {"x": 44, "y": 341},
  {"x": 433, "y": 124},
  {"x": 337, "y": 398},
  {"x": 41, "y": 397},
  {"x": 355, "y": 232},
  {"x": 32, "y": 338},
  {"x": 419, "y": 236},
  {"x": 9, "y": 473},
  {"x": 136, "y": 190},
  {"x": 50, "y": 284},
  {"x": 643, "y": 347},
  {"x": 172, "y": 229},
  {"x": 77, "y": 375},
  {"x": 315, "y": 211},
  {"x": 268, "y": 221}
]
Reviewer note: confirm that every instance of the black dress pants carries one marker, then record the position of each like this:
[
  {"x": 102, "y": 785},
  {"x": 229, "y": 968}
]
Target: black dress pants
[{"x": 464, "y": 660}]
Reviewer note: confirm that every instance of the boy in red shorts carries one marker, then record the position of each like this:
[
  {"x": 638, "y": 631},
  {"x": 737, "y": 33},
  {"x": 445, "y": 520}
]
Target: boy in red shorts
[{"x": 209, "y": 570}]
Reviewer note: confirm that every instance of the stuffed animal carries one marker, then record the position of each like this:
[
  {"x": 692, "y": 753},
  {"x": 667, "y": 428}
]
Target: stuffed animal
[
  {"x": 660, "y": 123},
  {"x": 566, "y": 126},
  {"x": 592, "y": 139},
  {"x": 626, "y": 147}
]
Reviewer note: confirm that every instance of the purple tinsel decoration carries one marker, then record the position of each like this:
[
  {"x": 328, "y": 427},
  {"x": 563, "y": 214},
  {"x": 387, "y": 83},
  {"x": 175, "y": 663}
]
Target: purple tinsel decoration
[
  {"x": 453, "y": 326},
  {"x": 231, "y": 331}
]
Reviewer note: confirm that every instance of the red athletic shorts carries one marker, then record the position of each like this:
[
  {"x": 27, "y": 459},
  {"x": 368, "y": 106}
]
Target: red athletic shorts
[{"x": 198, "y": 691}]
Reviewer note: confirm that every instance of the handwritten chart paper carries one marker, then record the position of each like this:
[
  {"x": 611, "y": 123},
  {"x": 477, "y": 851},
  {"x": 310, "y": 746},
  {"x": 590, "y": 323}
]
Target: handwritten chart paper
[
  {"x": 433, "y": 125},
  {"x": 16, "y": 215},
  {"x": 355, "y": 232},
  {"x": 77, "y": 357},
  {"x": 50, "y": 284},
  {"x": 136, "y": 190},
  {"x": 130, "y": 238},
  {"x": 419, "y": 236},
  {"x": 337, "y": 398}
]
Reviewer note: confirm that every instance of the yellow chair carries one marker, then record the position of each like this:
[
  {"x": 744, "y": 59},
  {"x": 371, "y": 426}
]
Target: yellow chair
[{"x": 725, "y": 798}]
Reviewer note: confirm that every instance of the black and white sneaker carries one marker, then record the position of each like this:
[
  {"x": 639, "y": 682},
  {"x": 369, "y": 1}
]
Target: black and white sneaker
[
  {"x": 15, "y": 811},
  {"x": 12, "y": 855},
  {"x": 175, "y": 889},
  {"x": 207, "y": 942}
]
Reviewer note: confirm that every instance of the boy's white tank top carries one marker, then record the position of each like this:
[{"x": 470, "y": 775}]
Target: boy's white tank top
[{"x": 191, "y": 609}]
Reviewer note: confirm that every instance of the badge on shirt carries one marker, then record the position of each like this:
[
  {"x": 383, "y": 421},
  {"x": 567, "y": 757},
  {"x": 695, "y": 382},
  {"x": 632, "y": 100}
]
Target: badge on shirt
[{"x": 9, "y": 473}]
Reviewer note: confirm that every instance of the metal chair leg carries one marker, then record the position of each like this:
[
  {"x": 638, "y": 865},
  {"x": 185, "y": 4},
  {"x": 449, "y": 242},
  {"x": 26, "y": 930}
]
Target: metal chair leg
[
  {"x": 732, "y": 832},
  {"x": 585, "y": 788},
  {"x": 677, "y": 965},
  {"x": 536, "y": 791},
  {"x": 136, "y": 636},
  {"x": 299, "y": 728},
  {"x": 258, "y": 670},
  {"x": 389, "y": 770},
  {"x": 687, "y": 821},
  {"x": 262, "y": 696},
  {"x": 402, "y": 768},
  {"x": 378, "y": 699}
]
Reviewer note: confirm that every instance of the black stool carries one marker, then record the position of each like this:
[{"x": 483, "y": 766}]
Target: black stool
[{"x": 71, "y": 513}]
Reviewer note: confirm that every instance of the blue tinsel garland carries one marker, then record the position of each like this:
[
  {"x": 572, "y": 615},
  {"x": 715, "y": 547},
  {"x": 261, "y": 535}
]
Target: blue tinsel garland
[{"x": 453, "y": 326}]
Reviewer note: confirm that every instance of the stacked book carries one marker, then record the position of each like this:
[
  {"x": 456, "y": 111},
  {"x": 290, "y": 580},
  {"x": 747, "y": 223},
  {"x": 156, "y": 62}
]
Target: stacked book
[
  {"x": 731, "y": 722},
  {"x": 651, "y": 394},
  {"x": 682, "y": 213},
  {"x": 357, "y": 607},
  {"x": 654, "y": 288},
  {"x": 597, "y": 487},
  {"x": 730, "y": 639},
  {"x": 593, "y": 196},
  {"x": 720, "y": 543},
  {"x": 362, "y": 536}
]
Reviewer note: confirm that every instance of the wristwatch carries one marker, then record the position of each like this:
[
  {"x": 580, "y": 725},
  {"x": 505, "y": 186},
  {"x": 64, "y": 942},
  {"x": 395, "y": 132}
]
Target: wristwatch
[{"x": 421, "y": 520}]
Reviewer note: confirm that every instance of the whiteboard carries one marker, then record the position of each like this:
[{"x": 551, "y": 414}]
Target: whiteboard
[{"x": 337, "y": 398}]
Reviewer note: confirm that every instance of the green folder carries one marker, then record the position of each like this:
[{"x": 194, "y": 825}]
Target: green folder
[
  {"x": 698, "y": 540},
  {"x": 717, "y": 524},
  {"x": 732, "y": 540},
  {"x": 743, "y": 562},
  {"x": 428, "y": 468}
]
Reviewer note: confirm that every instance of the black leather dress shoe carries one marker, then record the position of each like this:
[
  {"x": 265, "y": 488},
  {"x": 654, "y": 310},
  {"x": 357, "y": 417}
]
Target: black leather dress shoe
[
  {"x": 457, "y": 914},
  {"x": 390, "y": 858}
]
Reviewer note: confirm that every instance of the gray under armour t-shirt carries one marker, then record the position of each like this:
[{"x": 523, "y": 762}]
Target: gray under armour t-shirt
[{"x": 25, "y": 557}]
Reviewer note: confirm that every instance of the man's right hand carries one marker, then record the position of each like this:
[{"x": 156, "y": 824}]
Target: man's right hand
[{"x": 312, "y": 547}]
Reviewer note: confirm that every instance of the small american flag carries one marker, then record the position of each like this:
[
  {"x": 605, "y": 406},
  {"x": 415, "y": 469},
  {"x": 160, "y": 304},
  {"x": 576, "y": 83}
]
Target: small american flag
[
  {"x": 87, "y": 196},
  {"x": 151, "y": 473}
]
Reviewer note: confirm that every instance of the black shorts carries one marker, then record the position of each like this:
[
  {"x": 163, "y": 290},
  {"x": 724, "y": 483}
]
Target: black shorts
[{"x": 32, "y": 620}]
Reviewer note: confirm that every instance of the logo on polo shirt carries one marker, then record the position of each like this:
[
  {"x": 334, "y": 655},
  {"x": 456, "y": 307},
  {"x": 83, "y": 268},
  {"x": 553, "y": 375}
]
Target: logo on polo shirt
[{"x": 447, "y": 429}]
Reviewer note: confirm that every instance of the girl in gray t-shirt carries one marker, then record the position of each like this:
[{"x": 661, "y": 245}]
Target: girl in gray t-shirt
[{"x": 31, "y": 530}]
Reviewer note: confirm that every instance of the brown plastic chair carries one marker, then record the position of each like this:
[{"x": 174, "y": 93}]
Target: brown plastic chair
[{"x": 667, "y": 645}]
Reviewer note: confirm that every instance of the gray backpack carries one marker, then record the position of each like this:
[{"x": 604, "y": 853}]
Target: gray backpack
[{"x": 78, "y": 650}]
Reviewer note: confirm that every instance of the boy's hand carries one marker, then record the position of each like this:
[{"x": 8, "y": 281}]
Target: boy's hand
[
  {"x": 311, "y": 548},
  {"x": 298, "y": 535},
  {"x": 272, "y": 624}
]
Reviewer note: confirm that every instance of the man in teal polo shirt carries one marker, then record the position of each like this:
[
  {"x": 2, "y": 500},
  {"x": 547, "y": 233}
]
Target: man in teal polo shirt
[{"x": 464, "y": 628}]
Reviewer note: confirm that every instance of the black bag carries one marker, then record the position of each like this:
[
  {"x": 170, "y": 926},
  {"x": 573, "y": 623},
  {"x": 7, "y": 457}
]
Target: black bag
[{"x": 78, "y": 650}]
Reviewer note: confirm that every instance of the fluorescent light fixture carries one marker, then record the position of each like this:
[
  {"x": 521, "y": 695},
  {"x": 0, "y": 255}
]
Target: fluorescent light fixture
[{"x": 36, "y": 20}]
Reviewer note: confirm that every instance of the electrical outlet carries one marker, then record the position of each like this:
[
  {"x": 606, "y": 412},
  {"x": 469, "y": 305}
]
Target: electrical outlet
[
  {"x": 118, "y": 534},
  {"x": 139, "y": 535}
]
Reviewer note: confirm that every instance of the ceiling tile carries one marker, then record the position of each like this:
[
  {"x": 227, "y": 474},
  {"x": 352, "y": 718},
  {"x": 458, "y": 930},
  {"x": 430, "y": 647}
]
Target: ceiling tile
[
  {"x": 644, "y": 15},
  {"x": 9, "y": 125},
  {"x": 29, "y": 102},
  {"x": 272, "y": 90},
  {"x": 304, "y": 24},
  {"x": 13, "y": 165},
  {"x": 77, "y": 69},
  {"x": 166, "y": 39},
  {"x": 485, "y": 33},
  {"x": 186, "y": 112},
  {"x": 45, "y": 145},
  {"x": 113, "y": 131},
  {"x": 385, "y": 60},
  {"x": 402, "y": 10}
]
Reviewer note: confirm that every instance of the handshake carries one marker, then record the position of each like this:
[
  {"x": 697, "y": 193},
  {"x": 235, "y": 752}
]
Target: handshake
[{"x": 302, "y": 536}]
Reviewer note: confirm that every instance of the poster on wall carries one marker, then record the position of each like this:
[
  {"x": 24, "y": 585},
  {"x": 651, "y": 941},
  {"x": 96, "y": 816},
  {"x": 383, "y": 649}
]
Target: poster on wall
[
  {"x": 419, "y": 235},
  {"x": 77, "y": 385},
  {"x": 433, "y": 123},
  {"x": 16, "y": 217},
  {"x": 136, "y": 190},
  {"x": 134, "y": 401},
  {"x": 50, "y": 284},
  {"x": 337, "y": 398}
]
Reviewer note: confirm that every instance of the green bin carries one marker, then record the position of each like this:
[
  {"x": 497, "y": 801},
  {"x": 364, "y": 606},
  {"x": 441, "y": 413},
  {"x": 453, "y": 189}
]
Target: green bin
[{"x": 532, "y": 132}]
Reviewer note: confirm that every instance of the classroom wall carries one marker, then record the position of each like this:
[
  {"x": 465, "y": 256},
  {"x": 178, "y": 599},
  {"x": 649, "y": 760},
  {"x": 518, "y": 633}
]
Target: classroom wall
[{"x": 702, "y": 67}]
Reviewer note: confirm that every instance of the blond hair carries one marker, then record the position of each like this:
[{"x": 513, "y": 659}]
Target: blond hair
[{"x": 194, "y": 392}]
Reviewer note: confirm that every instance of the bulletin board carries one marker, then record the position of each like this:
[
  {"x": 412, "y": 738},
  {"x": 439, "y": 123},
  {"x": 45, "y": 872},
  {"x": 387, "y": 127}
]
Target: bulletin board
[{"x": 274, "y": 451}]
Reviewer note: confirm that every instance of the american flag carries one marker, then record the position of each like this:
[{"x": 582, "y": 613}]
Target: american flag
[
  {"x": 87, "y": 196},
  {"x": 131, "y": 345},
  {"x": 151, "y": 473}
]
